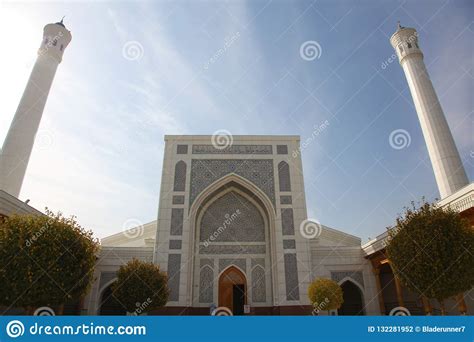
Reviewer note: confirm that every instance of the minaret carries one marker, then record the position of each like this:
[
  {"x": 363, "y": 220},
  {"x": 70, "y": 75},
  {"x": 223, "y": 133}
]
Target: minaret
[
  {"x": 448, "y": 169},
  {"x": 21, "y": 135}
]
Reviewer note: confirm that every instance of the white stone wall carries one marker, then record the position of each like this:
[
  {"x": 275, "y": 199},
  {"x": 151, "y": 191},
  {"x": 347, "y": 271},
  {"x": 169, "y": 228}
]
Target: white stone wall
[
  {"x": 187, "y": 283},
  {"x": 334, "y": 251},
  {"x": 109, "y": 261}
]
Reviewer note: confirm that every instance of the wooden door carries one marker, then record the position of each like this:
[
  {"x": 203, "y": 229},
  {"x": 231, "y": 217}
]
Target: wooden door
[{"x": 233, "y": 290}]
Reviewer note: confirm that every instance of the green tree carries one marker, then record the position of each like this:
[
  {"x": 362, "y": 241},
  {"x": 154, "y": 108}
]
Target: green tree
[
  {"x": 325, "y": 294},
  {"x": 47, "y": 260},
  {"x": 431, "y": 251},
  {"x": 141, "y": 287}
]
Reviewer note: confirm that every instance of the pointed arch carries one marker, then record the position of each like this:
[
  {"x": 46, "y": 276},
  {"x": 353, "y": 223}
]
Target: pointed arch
[
  {"x": 230, "y": 182},
  {"x": 108, "y": 304},
  {"x": 353, "y": 295},
  {"x": 233, "y": 289},
  {"x": 284, "y": 180}
]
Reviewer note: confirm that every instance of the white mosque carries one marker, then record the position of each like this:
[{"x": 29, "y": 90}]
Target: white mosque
[{"x": 232, "y": 227}]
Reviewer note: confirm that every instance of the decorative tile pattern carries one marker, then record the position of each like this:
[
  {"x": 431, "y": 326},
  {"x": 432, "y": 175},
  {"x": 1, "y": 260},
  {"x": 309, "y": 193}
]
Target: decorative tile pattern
[
  {"x": 175, "y": 244},
  {"x": 206, "y": 171},
  {"x": 177, "y": 215},
  {"x": 179, "y": 199},
  {"x": 291, "y": 277},
  {"x": 174, "y": 265},
  {"x": 285, "y": 200},
  {"x": 182, "y": 149},
  {"x": 284, "y": 176},
  {"x": 356, "y": 275},
  {"x": 258, "y": 285},
  {"x": 241, "y": 263},
  {"x": 258, "y": 261},
  {"x": 232, "y": 218},
  {"x": 282, "y": 149},
  {"x": 204, "y": 262},
  {"x": 232, "y": 249},
  {"x": 206, "y": 285},
  {"x": 179, "y": 176},
  {"x": 287, "y": 222},
  {"x": 289, "y": 244},
  {"x": 233, "y": 149}
]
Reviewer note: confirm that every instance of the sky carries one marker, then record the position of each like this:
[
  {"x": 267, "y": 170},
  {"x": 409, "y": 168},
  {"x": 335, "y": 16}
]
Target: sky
[{"x": 136, "y": 71}]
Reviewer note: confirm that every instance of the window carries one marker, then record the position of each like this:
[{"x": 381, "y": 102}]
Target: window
[
  {"x": 179, "y": 176},
  {"x": 55, "y": 42},
  {"x": 409, "y": 45},
  {"x": 401, "y": 49},
  {"x": 284, "y": 176},
  {"x": 61, "y": 47}
]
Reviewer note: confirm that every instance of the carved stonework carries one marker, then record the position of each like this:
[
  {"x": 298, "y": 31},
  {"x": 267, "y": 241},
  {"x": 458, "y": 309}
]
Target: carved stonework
[
  {"x": 287, "y": 221},
  {"x": 291, "y": 277},
  {"x": 204, "y": 172},
  {"x": 233, "y": 149},
  {"x": 174, "y": 267},
  {"x": 231, "y": 218},
  {"x": 289, "y": 244},
  {"x": 206, "y": 284},
  {"x": 355, "y": 275},
  {"x": 258, "y": 285},
  {"x": 178, "y": 199},
  {"x": 232, "y": 249},
  {"x": 241, "y": 263}
]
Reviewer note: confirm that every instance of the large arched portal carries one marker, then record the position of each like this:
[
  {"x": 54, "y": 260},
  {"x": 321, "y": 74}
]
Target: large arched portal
[
  {"x": 232, "y": 247},
  {"x": 233, "y": 290},
  {"x": 109, "y": 305},
  {"x": 353, "y": 303}
]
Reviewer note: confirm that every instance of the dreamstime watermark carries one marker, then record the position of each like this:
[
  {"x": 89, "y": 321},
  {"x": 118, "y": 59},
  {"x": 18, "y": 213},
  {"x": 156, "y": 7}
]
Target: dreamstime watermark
[
  {"x": 310, "y": 228},
  {"x": 317, "y": 130},
  {"x": 133, "y": 228},
  {"x": 44, "y": 139},
  {"x": 228, "y": 42},
  {"x": 15, "y": 329},
  {"x": 389, "y": 61},
  {"x": 222, "y": 139},
  {"x": 44, "y": 311},
  {"x": 132, "y": 50},
  {"x": 318, "y": 307},
  {"x": 141, "y": 307},
  {"x": 227, "y": 222},
  {"x": 412, "y": 39},
  {"x": 29, "y": 242},
  {"x": 221, "y": 311},
  {"x": 399, "y": 139},
  {"x": 51, "y": 41},
  {"x": 399, "y": 311},
  {"x": 310, "y": 50}
]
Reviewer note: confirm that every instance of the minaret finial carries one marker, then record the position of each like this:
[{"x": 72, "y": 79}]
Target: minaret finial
[
  {"x": 61, "y": 22},
  {"x": 399, "y": 27},
  {"x": 65, "y": 17}
]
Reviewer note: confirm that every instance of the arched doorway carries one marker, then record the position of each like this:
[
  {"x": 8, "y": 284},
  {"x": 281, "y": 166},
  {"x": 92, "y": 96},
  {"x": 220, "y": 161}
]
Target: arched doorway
[
  {"x": 233, "y": 223},
  {"x": 353, "y": 304},
  {"x": 109, "y": 305},
  {"x": 233, "y": 290}
]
